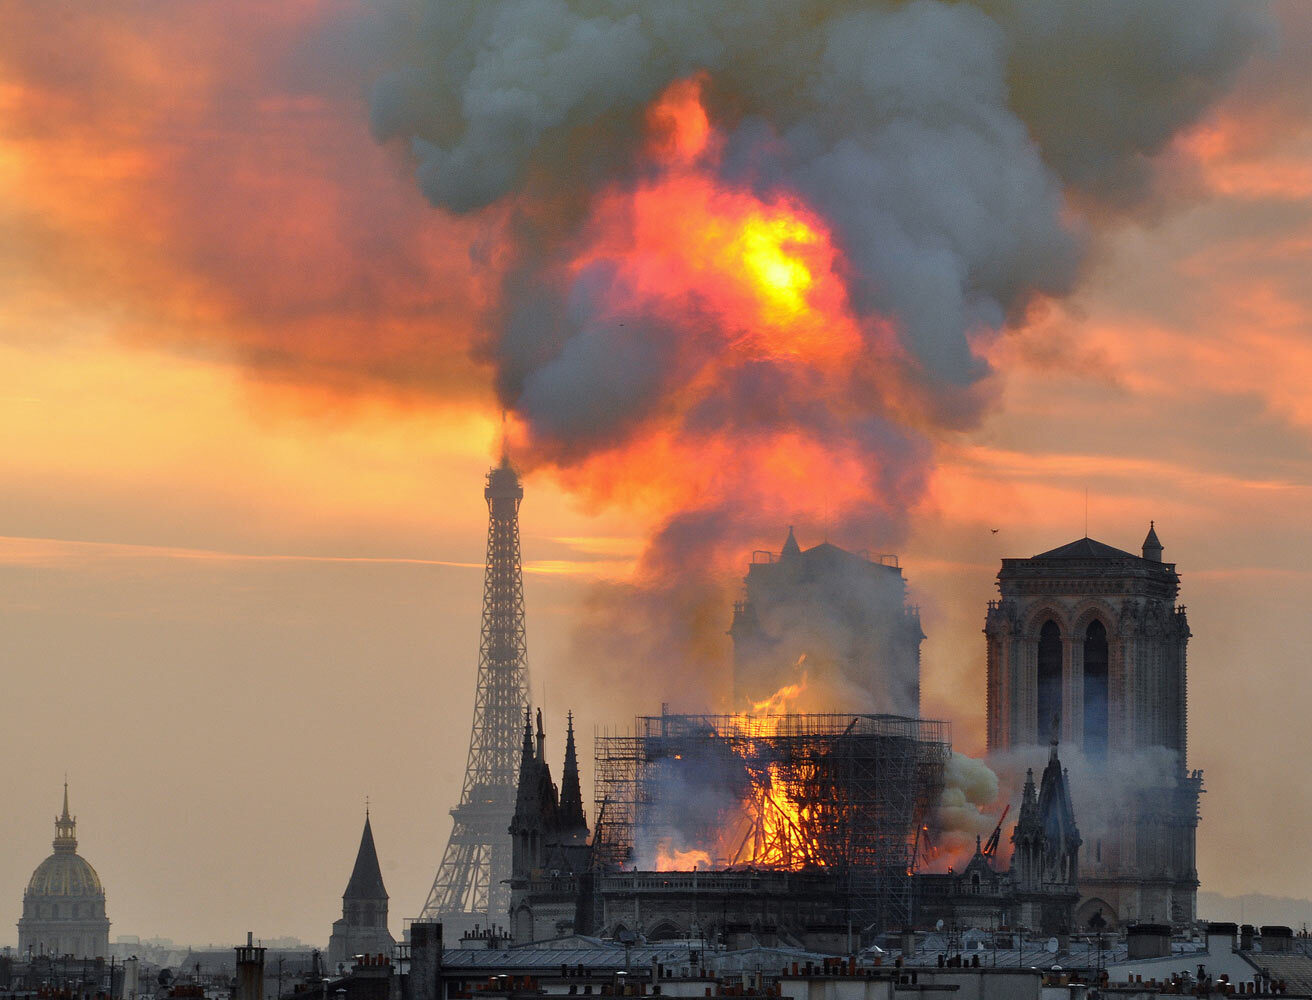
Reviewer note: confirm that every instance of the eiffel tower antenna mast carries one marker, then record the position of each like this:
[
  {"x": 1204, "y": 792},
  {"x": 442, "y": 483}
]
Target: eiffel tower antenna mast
[{"x": 472, "y": 882}]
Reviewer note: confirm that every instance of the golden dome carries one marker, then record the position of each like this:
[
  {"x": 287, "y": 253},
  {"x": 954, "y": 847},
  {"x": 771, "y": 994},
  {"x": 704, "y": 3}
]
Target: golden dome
[{"x": 64, "y": 874}]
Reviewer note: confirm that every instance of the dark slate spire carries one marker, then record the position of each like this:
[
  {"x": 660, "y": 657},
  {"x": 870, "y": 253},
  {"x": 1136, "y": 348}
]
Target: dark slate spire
[
  {"x": 1152, "y": 548},
  {"x": 526, "y": 754},
  {"x": 527, "y": 774},
  {"x": 1055, "y": 813},
  {"x": 571, "y": 794},
  {"x": 366, "y": 877}
]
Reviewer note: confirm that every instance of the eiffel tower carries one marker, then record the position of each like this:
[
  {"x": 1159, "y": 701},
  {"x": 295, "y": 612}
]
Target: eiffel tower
[{"x": 472, "y": 883}]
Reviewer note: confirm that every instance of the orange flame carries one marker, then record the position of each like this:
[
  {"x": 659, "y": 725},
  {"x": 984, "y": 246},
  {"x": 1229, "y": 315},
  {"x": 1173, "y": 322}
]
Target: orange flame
[
  {"x": 671, "y": 859},
  {"x": 735, "y": 281}
]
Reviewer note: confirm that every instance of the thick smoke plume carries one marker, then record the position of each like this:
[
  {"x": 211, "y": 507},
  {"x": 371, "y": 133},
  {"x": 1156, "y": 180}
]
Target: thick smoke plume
[
  {"x": 749, "y": 252},
  {"x": 1104, "y": 791}
]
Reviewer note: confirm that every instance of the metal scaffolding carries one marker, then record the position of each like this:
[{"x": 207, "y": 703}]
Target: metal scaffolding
[{"x": 845, "y": 793}]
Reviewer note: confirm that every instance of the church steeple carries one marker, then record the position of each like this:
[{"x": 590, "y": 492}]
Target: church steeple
[
  {"x": 65, "y": 828},
  {"x": 363, "y": 927},
  {"x": 366, "y": 877}
]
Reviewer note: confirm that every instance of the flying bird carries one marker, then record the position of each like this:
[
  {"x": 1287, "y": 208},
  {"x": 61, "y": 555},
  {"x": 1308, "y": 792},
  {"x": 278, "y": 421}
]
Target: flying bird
[{"x": 994, "y": 530}]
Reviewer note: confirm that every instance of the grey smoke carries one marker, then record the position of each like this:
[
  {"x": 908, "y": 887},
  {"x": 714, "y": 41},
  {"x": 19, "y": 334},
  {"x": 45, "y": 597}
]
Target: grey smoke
[
  {"x": 937, "y": 138},
  {"x": 964, "y": 154}
]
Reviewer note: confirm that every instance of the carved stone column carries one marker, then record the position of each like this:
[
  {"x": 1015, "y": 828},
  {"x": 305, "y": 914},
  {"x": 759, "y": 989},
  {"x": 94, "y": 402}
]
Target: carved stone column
[{"x": 1072, "y": 692}]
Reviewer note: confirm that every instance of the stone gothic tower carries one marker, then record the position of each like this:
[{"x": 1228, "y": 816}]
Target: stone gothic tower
[
  {"x": 363, "y": 927},
  {"x": 1087, "y": 645},
  {"x": 549, "y": 842}
]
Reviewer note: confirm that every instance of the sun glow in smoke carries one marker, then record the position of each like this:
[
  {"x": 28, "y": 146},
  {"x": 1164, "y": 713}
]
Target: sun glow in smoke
[{"x": 737, "y": 288}]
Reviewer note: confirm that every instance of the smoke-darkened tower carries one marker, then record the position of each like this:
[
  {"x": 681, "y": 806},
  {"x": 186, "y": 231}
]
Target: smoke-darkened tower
[{"x": 472, "y": 883}]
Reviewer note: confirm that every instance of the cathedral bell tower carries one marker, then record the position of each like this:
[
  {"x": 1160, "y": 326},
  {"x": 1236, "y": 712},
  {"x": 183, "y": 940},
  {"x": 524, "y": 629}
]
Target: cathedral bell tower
[{"x": 1087, "y": 645}]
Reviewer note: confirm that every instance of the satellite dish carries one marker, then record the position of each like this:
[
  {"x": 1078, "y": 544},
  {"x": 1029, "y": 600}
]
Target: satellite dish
[
  {"x": 938, "y": 926},
  {"x": 1051, "y": 947}
]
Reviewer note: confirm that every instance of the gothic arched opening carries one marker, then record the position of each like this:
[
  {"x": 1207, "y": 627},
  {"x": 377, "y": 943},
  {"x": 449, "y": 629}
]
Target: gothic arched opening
[
  {"x": 1049, "y": 721},
  {"x": 1095, "y": 689}
]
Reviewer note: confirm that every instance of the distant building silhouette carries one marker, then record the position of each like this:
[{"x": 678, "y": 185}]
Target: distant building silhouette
[
  {"x": 363, "y": 927},
  {"x": 836, "y": 618},
  {"x": 64, "y": 905}
]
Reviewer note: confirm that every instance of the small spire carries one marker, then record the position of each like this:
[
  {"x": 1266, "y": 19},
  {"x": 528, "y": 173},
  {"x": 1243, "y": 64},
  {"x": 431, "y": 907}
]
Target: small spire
[
  {"x": 571, "y": 794},
  {"x": 542, "y": 739},
  {"x": 65, "y": 826},
  {"x": 791, "y": 548},
  {"x": 528, "y": 733},
  {"x": 1152, "y": 547}
]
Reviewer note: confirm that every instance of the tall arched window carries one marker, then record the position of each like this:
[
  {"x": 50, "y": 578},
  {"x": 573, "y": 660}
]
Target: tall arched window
[
  {"x": 1095, "y": 689},
  {"x": 1049, "y": 682}
]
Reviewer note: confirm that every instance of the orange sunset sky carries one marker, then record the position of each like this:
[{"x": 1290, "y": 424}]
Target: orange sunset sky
[{"x": 242, "y": 523}]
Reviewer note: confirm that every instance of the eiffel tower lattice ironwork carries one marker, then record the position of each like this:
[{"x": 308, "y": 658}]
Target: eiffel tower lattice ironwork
[{"x": 472, "y": 883}]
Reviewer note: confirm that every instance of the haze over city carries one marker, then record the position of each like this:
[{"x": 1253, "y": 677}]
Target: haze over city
[{"x": 260, "y": 351}]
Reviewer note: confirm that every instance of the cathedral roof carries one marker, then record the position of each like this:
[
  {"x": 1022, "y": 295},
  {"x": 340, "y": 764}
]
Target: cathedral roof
[
  {"x": 366, "y": 877},
  {"x": 65, "y": 872},
  {"x": 1085, "y": 548}
]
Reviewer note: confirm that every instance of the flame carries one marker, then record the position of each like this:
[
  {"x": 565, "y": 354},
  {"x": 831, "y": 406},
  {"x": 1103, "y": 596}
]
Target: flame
[
  {"x": 671, "y": 859},
  {"x": 778, "y": 828},
  {"x": 784, "y": 699},
  {"x": 780, "y": 700},
  {"x": 728, "y": 283}
]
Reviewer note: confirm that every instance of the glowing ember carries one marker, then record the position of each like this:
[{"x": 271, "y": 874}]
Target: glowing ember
[{"x": 670, "y": 859}]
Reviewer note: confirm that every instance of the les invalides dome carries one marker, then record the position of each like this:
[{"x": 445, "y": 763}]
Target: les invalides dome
[{"x": 64, "y": 905}]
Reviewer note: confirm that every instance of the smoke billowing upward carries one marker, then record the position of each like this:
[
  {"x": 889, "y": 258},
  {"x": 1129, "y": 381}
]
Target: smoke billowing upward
[{"x": 748, "y": 252}]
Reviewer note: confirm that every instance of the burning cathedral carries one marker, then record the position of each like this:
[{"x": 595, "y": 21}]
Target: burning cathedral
[{"x": 812, "y": 827}]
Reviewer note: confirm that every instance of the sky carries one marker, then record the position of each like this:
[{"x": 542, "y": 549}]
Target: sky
[{"x": 249, "y": 407}]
